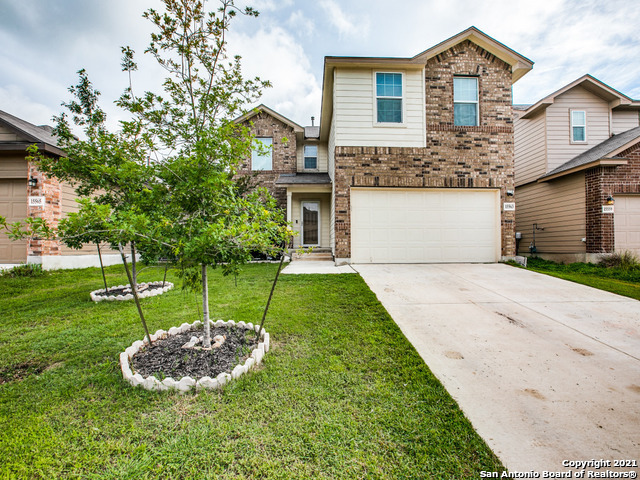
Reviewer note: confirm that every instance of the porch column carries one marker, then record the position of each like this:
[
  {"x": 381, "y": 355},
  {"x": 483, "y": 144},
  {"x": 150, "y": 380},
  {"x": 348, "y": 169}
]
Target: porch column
[{"x": 289, "y": 195}]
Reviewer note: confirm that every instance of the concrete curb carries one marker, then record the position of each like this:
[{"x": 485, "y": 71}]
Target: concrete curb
[
  {"x": 185, "y": 384},
  {"x": 121, "y": 298}
]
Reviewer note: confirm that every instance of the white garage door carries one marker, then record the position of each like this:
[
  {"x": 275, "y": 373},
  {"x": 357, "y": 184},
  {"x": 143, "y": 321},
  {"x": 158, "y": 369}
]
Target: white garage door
[
  {"x": 424, "y": 226},
  {"x": 13, "y": 206},
  {"x": 627, "y": 223}
]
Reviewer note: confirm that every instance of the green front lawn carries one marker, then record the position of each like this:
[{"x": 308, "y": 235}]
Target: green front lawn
[
  {"x": 341, "y": 394},
  {"x": 623, "y": 281}
]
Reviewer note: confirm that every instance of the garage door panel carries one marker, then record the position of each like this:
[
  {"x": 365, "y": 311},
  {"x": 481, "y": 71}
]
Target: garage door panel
[
  {"x": 13, "y": 206},
  {"x": 627, "y": 223},
  {"x": 426, "y": 225}
]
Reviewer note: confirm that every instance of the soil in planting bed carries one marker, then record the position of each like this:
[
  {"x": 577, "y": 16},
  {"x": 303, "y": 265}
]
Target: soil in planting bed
[
  {"x": 167, "y": 358},
  {"x": 115, "y": 291}
]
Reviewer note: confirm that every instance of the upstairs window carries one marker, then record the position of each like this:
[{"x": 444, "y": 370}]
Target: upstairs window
[
  {"x": 389, "y": 97},
  {"x": 310, "y": 157},
  {"x": 578, "y": 126},
  {"x": 465, "y": 101},
  {"x": 261, "y": 158}
]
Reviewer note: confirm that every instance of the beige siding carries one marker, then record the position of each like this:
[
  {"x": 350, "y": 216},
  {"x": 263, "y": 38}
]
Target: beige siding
[
  {"x": 624, "y": 120},
  {"x": 70, "y": 205},
  {"x": 7, "y": 135},
  {"x": 558, "y": 207},
  {"x": 13, "y": 165},
  {"x": 322, "y": 156},
  {"x": 325, "y": 216},
  {"x": 559, "y": 146},
  {"x": 354, "y": 109},
  {"x": 529, "y": 149}
]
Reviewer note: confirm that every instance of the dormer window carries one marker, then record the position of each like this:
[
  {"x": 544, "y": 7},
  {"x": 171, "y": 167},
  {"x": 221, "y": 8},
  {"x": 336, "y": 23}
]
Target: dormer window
[
  {"x": 388, "y": 97},
  {"x": 310, "y": 157},
  {"x": 465, "y": 101},
  {"x": 578, "y": 126}
]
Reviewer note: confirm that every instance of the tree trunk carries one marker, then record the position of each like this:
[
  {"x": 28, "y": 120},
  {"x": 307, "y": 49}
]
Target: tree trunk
[
  {"x": 135, "y": 293},
  {"x": 273, "y": 287},
  {"x": 104, "y": 278},
  {"x": 164, "y": 280},
  {"x": 134, "y": 268},
  {"x": 206, "y": 342}
]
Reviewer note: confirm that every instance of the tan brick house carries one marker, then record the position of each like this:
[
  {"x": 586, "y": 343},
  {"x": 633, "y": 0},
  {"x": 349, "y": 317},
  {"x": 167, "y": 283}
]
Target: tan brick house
[
  {"x": 26, "y": 192},
  {"x": 577, "y": 165},
  {"x": 413, "y": 160}
]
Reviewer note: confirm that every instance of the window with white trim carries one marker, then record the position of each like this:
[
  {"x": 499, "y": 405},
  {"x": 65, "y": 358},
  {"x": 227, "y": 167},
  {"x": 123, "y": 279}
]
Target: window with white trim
[
  {"x": 465, "y": 101},
  {"x": 578, "y": 126},
  {"x": 310, "y": 157},
  {"x": 261, "y": 158},
  {"x": 388, "y": 97}
]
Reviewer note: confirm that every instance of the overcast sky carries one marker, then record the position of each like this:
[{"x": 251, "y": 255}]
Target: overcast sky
[{"x": 45, "y": 42}]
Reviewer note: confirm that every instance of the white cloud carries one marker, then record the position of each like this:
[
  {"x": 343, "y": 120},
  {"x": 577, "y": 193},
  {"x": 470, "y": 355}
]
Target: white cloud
[
  {"x": 270, "y": 5},
  {"x": 346, "y": 25},
  {"x": 274, "y": 55},
  {"x": 301, "y": 24}
]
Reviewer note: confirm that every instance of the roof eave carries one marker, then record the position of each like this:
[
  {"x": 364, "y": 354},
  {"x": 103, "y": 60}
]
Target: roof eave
[
  {"x": 263, "y": 108},
  {"x": 603, "y": 162},
  {"x": 520, "y": 64},
  {"x": 589, "y": 82}
]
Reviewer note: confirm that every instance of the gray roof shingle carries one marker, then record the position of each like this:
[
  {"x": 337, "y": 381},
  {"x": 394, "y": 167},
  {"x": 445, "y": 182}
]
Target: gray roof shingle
[
  {"x": 35, "y": 133},
  {"x": 312, "y": 132},
  {"x": 602, "y": 150},
  {"x": 303, "y": 179}
]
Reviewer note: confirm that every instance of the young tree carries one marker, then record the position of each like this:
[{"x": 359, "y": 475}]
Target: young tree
[
  {"x": 209, "y": 218},
  {"x": 188, "y": 198}
]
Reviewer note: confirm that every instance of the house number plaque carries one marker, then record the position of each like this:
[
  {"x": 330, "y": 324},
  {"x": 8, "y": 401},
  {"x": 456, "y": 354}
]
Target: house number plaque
[{"x": 36, "y": 201}]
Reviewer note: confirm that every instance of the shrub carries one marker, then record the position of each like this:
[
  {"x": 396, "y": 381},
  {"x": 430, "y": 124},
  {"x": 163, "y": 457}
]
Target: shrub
[
  {"x": 24, "y": 270},
  {"x": 625, "y": 260}
]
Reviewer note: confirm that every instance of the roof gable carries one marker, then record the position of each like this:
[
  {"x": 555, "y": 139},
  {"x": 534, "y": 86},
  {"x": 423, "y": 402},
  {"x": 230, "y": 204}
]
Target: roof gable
[
  {"x": 520, "y": 64},
  {"x": 31, "y": 133},
  {"x": 589, "y": 83},
  {"x": 263, "y": 108}
]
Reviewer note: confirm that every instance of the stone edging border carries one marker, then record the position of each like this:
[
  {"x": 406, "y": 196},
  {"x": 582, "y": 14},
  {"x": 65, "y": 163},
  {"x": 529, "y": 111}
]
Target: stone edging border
[
  {"x": 129, "y": 296},
  {"x": 186, "y": 383}
]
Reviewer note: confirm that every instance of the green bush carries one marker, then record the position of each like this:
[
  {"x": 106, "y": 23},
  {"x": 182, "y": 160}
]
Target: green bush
[
  {"x": 24, "y": 270},
  {"x": 625, "y": 260}
]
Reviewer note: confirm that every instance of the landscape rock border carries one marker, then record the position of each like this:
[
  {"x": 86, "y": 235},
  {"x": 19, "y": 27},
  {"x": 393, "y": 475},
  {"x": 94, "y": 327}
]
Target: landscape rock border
[
  {"x": 96, "y": 297},
  {"x": 185, "y": 384}
]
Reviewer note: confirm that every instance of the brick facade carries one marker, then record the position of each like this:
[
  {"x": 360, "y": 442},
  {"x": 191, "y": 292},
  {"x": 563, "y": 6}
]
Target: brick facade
[
  {"x": 51, "y": 190},
  {"x": 600, "y": 183},
  {"x": 284, "y": 154},
  {"x": 455, "y": 157}
]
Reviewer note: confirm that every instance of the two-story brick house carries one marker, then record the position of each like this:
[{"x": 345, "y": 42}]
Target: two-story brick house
[
  {"x": 413, "y": 157},
  {"x": 577, "y": 165}
]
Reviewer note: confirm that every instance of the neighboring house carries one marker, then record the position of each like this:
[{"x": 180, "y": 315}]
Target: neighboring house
[
  {"x": 295, "y": 172},
  {"x": 577, "y": 164},
  {"x": 21, "y": 183},
  {"x": 413, "y": 159}
]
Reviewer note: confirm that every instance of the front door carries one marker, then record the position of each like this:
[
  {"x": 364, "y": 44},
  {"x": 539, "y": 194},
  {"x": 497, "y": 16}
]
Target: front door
[{"x": 311, "y": 223}]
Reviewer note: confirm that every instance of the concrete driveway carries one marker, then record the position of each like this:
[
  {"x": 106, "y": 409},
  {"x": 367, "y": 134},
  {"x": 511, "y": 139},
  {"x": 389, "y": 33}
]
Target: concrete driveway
[{"x": 546, "y": 370}]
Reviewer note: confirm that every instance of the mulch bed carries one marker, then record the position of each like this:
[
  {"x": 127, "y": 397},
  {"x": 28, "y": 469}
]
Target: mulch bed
[{"x": 167, "y": 358}]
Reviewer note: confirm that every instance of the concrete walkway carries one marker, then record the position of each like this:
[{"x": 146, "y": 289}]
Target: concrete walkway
[
  {"x": 546, "y": 370},
  {"x": 311, "y": 266}
]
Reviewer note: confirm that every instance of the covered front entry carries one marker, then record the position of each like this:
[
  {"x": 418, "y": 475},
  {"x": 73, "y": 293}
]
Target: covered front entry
[
  {"x": 627, "y": 223},
  {"x": 310, "y": 216},
  {"x": 13, "y": 206},
  {"x": 309, "y": 209},
  {"x": 424, "y": 225}
]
